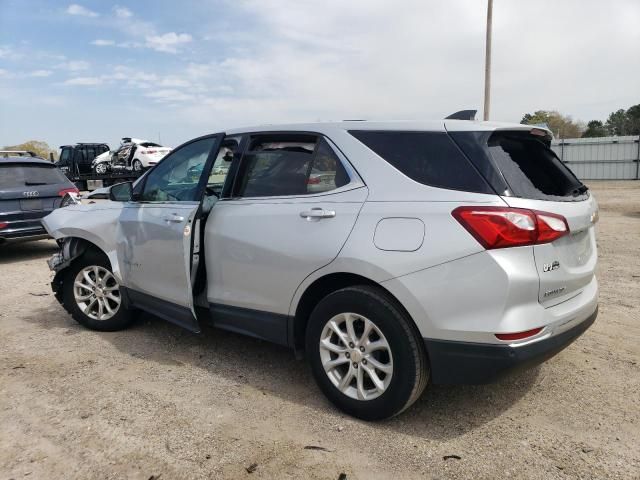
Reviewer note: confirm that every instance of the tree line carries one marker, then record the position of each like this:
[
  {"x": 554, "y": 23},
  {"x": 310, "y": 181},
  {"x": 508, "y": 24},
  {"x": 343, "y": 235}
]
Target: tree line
[
  {"x": 619, "y": 123},
  {"x": 38, "y": 147}
]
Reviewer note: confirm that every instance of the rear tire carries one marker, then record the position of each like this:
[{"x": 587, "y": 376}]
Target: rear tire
[
  {"x": 381, "y": 339},
  {"x": 91, "y": 294}
]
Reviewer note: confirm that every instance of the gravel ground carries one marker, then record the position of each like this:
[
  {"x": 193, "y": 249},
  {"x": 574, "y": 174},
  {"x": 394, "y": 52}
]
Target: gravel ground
[{"x": 156, "y": 400}]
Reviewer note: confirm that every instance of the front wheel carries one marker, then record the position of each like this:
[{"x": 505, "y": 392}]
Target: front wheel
[
  {"x": 137, "y": 165},
  {"x": 101, "y": 168},
  {"x": 91, "y": 294},
  {"x": 365, "y": 353}
]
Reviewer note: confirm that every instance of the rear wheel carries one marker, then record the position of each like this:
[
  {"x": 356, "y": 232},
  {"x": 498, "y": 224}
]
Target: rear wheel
[
  {"x": 92, "y": 295},
  {"x": 365, "y": 353},
  {"x": 101, "y": 168}
]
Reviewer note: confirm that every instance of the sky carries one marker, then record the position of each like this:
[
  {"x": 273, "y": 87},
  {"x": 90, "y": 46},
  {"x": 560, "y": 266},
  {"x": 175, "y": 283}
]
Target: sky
[{"x": 96, "y": 71}]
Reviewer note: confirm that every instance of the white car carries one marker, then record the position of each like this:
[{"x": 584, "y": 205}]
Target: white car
[
  {"x": 147, "y": 154},
  {"x": 133, "y": 154}
]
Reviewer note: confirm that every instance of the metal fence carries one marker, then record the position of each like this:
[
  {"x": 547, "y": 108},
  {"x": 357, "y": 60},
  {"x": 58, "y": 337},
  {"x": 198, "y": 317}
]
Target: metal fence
[{"x": 603, "y": 158}]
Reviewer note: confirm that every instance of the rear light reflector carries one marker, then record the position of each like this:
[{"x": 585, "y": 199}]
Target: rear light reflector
[
  {"x": 502, "y": 227},
  {"x": 518, "y": 335},
  {"x": 64, "y": 191}
]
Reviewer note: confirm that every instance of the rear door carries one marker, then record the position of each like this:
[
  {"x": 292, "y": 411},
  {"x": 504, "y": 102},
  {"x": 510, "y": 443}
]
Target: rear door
[
  {"x": 537, "y": 180},
  {"x": 280, "y": 223},
  {"x": 155, "y": 248}
]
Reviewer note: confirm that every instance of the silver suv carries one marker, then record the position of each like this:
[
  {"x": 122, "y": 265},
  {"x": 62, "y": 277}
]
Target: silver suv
[{"x": 389, "y": 253}]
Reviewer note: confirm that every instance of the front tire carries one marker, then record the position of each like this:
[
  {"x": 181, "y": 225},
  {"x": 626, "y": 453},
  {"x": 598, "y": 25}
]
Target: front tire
[
  {"x": 91, "y": 294},
  {"x": 101, "y": 168},
  {"x": 365, "y": 353},
  {"x": 137, "y": 165}
]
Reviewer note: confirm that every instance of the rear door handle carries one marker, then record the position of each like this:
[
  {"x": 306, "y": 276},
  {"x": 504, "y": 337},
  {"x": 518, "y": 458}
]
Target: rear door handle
[
  {"x": 174, "y": 218},
  {"x": 317, "y": 214}
]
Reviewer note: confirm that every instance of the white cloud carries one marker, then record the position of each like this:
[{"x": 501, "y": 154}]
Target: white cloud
[
  {"x": 170, "y": 96},
  {"x": 103, "y": 43},
  {"x": 74, "y": 65},
  {"x": 122, "y": 12},
  {"x": 75, "y": 9},
  {"x": 168, "y": 42},
  {"x": 40, "y": 73},
  {"x": 83, "y": 81},
  {"x": 9, "y": 53}
]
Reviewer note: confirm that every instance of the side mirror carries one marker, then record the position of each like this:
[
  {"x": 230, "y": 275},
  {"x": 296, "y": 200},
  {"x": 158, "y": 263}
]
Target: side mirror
[{"x": 121, "y": 192}]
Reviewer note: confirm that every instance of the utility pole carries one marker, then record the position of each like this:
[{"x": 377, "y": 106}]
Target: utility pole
[{"x": 487, "y": 63}]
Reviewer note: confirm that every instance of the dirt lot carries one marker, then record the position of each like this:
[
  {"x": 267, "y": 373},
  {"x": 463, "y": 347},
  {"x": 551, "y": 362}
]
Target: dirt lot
[{"x": 157, "y": 400}]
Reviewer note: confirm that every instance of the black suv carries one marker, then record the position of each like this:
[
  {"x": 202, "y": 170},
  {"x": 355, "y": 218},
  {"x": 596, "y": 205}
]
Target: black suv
[
  {"x": 30, "y": 188},
  {"x": 76, "y": 159}
]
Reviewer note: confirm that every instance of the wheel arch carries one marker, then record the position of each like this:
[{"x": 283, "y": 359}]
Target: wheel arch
[
  {"x": 320, "y": 288},
  {"x": 71, "y": 249}
]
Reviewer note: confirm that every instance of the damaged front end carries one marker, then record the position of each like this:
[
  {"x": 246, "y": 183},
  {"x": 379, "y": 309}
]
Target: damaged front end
[{"x": 71, "y": 248}]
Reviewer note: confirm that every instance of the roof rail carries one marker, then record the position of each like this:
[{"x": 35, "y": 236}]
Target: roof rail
[{"x": 463, "y": 115}]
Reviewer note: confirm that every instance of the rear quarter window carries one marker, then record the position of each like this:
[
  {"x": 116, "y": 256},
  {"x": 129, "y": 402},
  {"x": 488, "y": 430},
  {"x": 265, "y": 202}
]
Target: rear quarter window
[
  {"x": 430, "y": 158},
  {"x": 520, "y": 164},
  {"x": 531, "y": 169}
]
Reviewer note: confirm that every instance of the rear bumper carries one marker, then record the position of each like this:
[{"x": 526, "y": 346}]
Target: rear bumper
[
  {"x": 455, "y": 362},
  {"x": 23, "y": 229}
]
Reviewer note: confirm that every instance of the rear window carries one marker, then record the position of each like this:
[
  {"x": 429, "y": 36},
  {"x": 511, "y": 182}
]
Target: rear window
[
  {"x": 149, "y": 144},
  {"x": 430, "y": 158},
  {"x": 23, "y": 175},
  {"x": 531, "y": 169}
]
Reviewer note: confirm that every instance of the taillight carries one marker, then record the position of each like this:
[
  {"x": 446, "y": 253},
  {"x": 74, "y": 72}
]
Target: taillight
[
  {"x": 3, "y": 224},
  {"x": 64, "y": 191},
  {"x": 313, "y": 180},
  {"x": 518, "y": 335},
  {"x": 502, "y": 227},
  {"x": 149, "y": 151}
]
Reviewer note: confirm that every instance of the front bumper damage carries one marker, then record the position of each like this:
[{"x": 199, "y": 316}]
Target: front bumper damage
[{"x": 71, "y": 249}]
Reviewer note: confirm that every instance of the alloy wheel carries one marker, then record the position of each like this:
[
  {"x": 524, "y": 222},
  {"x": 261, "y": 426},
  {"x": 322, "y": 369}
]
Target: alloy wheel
[
  {"x": 356, "y": 356},
  {"x": 96, "y": 292}
]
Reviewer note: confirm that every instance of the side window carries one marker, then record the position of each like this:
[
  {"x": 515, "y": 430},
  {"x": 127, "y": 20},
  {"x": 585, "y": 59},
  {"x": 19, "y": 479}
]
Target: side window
[
  {"x": 289, "y": 164},
  {"x": 176, "y": 177},
  {"x": 327, "y": 172},
  {"x": 65, "y": 156},
  {"x": 431, "y": 158},
  {"x": 79, "y": 156},
  {"x": 222, "y": 162}
]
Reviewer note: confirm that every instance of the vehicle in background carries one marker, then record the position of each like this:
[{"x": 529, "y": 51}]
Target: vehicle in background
[
  {"x": 30, "y": 188},
  {"x": 77, "y": 159},
  {"x": 133, "y": 154},
  {"x": 394, "y": 254},
  {"x": 76, "y": 162},
  {"x": 16, "y": 153}
]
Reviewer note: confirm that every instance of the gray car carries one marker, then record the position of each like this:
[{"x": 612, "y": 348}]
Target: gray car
[
  {"x": 30, "y": 188},
  {"x": 450, "y": 251}
]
